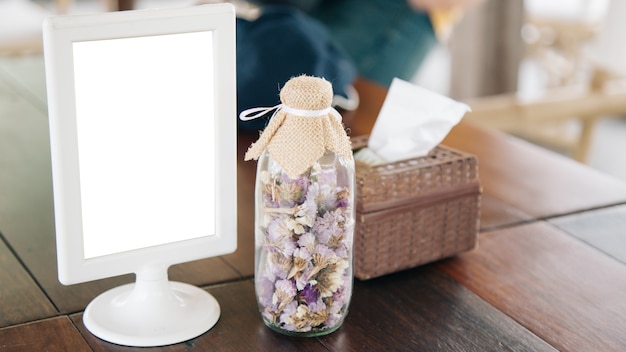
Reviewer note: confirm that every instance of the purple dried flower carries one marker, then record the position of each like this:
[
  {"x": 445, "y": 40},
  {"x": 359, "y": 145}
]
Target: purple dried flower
[
  {"x": 322, "y": 195},
  {"x": 302, "y": 182},
  {"x": 328, "y": 226},
  {"x": 286, "y": 286},
  {"x": 302, "y": 252},
  {"x": 265, "y": 291},
  {"x": 322, "y": 257},
  {"x": 306, "y": 212},
  {"x": 290, "y": 308},
  {"x": 331, "y": 278},
  {"x": 326, "y": 198},
  {"x": 278, "y": 265},
  {"x": 279, "y": 237},
  {"x": 342, "y": 203},
  {"x": 284, "y": 294},
  {"x": 341, "y": 296},
  {"x": 333, "y": 319},
  {"x": 317, "y": 306},
  {"x": 292, "y": 191},
  {"x": 301, "y": 261},
  {"x": 343, "y": 197},
  {"x": 342, "y": 251},
  {"x": 307, "y": 241},
  {"x": 269, "y": 315},
  {"x": 323, "y": 254},
  {"x": 286, "y": 315},
  {"x": 269, "y": 201},
  {"x": 310, "y": 294},
  {"x": 304, "y": 280}
]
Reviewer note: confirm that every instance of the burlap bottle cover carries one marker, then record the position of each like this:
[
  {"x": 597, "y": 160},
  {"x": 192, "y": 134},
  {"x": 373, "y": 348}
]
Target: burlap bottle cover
[{"x": 303, "y": 128}]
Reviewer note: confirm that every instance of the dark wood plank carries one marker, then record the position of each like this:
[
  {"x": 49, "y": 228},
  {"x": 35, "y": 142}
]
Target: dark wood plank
[
  {"x": 532, "y": 179},
  {"x": 243, "y": 258},
  {"x": 21, "y": 300},
  {"x": 415, "y": 310},
  {"x": 203, "y": 272},
  {"x": 604, "y": 229},
  {"x": 423, "y": 310},
  {"x": 567, "y": 293},
  {"x": 51, "y": 335},
  {"x": 239, "y": 329},
  {"x": 495, "y": 213}
]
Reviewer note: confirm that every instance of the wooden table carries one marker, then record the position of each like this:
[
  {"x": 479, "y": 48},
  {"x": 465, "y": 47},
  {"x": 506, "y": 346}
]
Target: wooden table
[{"x": 549, "y": 273}]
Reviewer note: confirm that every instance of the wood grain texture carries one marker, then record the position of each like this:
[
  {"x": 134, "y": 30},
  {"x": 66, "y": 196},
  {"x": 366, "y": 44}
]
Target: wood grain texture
[
  {"x": 21, "y": 131},
  {"x": 240, "y": 328},
  {"x": 567, "y": 293},
  {"x": 243, "y": 258},
  {"x": 50, "y": 335},
  {"x": 417, "y": 310},
  {"x": 526, "y": 286},
  {"x": 534, "y": 180},
  {"x": 423, "y": 310},
  {"x": 21, "y": 300},
  {"x": 495, "y": 213},
  {"x": 604, "y": 229}
]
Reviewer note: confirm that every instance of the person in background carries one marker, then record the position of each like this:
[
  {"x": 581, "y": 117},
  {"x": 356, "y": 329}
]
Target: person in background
[{"x": 384, "y": 38}]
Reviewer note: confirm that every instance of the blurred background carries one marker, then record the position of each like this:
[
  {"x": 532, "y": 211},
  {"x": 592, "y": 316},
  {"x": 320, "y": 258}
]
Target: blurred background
[{"x": 551, "y": 72}]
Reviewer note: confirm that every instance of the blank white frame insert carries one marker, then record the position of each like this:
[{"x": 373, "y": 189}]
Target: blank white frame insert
[{"x": 143, "y": 145}]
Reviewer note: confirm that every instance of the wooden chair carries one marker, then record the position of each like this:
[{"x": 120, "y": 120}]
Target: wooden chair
[
  {"x": 544, "y": 119},
  {"x": 577, "y": 92}
]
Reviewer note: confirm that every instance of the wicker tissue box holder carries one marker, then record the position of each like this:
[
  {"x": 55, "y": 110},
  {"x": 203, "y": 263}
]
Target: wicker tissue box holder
[{"x": 414, "y": 211}]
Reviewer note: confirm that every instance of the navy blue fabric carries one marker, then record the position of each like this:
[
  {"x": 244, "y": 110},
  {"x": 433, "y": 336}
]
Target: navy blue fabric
[
  {"x": 385, "y": 38},
  {"x": 282, "y": 43},
  {"x": 304, "y": 5}
]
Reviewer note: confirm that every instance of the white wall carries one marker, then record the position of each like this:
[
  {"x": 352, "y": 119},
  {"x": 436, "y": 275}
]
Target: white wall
[{"x": 608, "y": 48}]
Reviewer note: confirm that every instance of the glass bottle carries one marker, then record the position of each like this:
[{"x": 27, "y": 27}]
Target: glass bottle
[
  {"x": 304, "y": 211},
  {"x": 304, "y": 232}
]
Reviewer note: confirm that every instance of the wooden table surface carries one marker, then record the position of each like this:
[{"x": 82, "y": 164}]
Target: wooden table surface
[{"x": 549, "y": 273}]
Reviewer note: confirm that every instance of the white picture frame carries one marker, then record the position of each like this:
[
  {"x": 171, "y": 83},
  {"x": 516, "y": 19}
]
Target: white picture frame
[{"x": 120, "y": 164}]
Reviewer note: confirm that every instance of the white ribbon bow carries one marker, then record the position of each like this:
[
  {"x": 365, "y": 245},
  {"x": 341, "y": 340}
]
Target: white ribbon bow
[{"x": 254, "y": 113}]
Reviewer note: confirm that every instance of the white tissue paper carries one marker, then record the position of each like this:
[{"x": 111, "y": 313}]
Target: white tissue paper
[{"x": 412, "y": 121}]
